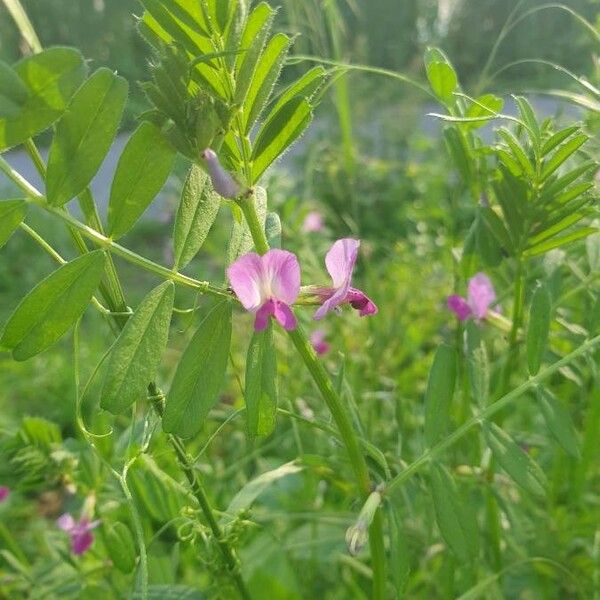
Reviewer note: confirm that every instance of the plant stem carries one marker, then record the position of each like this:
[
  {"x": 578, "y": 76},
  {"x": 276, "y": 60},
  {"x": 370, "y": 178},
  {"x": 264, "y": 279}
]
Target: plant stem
[
  {"x": 337, "y": 409},
  {"x": 488, "y": 412}
]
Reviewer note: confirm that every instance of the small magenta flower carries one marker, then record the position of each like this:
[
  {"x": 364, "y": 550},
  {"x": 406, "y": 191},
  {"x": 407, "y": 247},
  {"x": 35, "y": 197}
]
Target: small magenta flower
[
  {"x": 267, "y": 286},
  {"x": 319, "y": 343},
  {"x": 313, "y": 222},
  {"x": 480, "y": 296},
  {"x": 4, "y": 493},
  {"x": 223, "y": 182},
  {"x": 80, "y": 532},
  {"x": 340, "y": 261}
]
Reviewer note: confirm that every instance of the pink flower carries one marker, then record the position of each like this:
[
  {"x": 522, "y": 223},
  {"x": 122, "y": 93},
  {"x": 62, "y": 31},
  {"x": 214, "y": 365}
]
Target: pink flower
[
  {"x": 267, "y": 286},
  {"x": 340, "y": 261},
  {"x": 317, "y": 339},
  {"x": 480, "y": 296},
  {"x": 80, "y": 532},
  {"x": 4, "y": 493},
  {"x": 313, "y": 222},
  {"x": 223, "y": 182}
]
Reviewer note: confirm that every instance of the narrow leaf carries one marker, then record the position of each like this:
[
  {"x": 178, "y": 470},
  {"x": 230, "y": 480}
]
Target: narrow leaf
[
  {"x": 562, "y": 154},
  {"x": 261, "y": 384},
  {"x": 53, "y": 306},
  {"x": 137, "y": 353},
  {"x": 200, "y": 374},
  {"x": 12, "y": 214},
  {"x": 477, "y": 364},
  {"x": 440, "y": 390},
  {"x": 515, "y": 461},
  {"x": 142, "y": 170},
  {"x": 528, "y": 117},
  {"x": 540, "y": 316},
  {"x": 196, "y": 214},
  {"x": 121, "y": 547},
  {"x": 84, "y": 135},
  {"x": 559, "y": 421},
  {"x": 557, "y": 242},
  {"x": 456, "y": 523},
  {"x": 558, "y": 138}
]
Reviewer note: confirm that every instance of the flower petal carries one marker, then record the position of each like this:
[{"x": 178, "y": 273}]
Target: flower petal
[
  {"x": 319, "y": 343},
  {"x": 66, "y": 522},
  {"x": 81, "y": 541},
  {"x": 282, "y": 272},
  {"x": 246, "y": 277},
  {"x": 337, "y": 297},
  {"x": 361, "y": 302},
  {"x": 340, "y": 261},
  {"x": 481, "y": 294},
  {"x": 262, "y": 315},
  {"x": 4, "y": 493},
  {"x": 313, "y": 222},
  {"x": 459, "y": 306},
  {"x": 285, "y": 317}
]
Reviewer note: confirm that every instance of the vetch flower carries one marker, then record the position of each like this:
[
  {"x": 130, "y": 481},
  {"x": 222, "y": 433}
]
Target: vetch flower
[
  {"x": 317, "y": 339},
  {"x": 267, "y": 286},
  {"x": 480, "y": 296},
  {"x": 80, "y": 532},
  {"x": 313, "y": 222},
  {"x": 340, "y": 261},
  {"x": 223, "y": 182},
  {"x": 4, "y": 493}
]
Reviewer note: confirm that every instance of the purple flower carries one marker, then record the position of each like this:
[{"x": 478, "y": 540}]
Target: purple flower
[
  {"x": 223, "y": 182},
  {"x": 80, "y": 532},
  {"x": 313, "y": 222},
  {"x": 267, "y": 286},
  {"x": 317, "y": 339},
  {"x": 480, "y": 296},
  {"x": 4, "y": 493},
  {"x": 340, "y": 261}
]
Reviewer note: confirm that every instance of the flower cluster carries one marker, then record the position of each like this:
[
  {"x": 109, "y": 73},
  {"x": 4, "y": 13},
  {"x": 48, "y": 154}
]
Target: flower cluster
[
  {"x": 480, "y": 296},
  {"x": 268, "y": 285}
]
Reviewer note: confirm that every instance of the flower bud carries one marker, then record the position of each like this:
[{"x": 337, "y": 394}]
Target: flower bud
[
  {"x": 223, "y": 182},
  {"x": 357, "y": 535}
]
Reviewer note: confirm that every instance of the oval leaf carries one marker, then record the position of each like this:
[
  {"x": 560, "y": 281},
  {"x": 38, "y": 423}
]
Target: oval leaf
[
  {"x": 261, "y": 384},
  {"x": 540, "y": 316},
  {"x": 12, "y": 213},
  {"x": 84, "y": 135},
  {"x": 121, "y": 547},
  {"x": 515, "y": 461},
  {"x": 48, "y": 80},
  {"x": 53, "y": 306},
  {"x": 440, "y": 390},
  {"x": 456, "y": 523},
  {"x": 137, "y": 352},
  {"x": 559, "y": 421},
  {"x": 195, "y": 216},
  {"x": 443, "y": 80},
  {"x": 200, "y": 374},
  {"x": 143, "y": 168}
]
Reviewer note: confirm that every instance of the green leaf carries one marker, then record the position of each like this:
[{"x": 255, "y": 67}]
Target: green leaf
[
  {"x": 478, "y": 366},
  {"x": 260, "y": 391},
  {"x": 13, "y": 92},
  {"x": 200, "y": 374},
  {"x": 540, "y": 316},
  {"x": 196, "y": 214},
  {"x": 497, "y": 227},
  {"x": 455, "y": 521},
  {"x": 485, "y": 106},
  {"x": 253, "y": 42},
  {"x": 557, "y": 242},
  {"x": 517, "y": 463},
  {"x": 240, "y": 241},
  {"x": 136, "y": 355},
  {"x": 171, "y": 592},
  {"x": 559, "y": 421},
  {"x": 307, "y": 86},
  {"x": 517, "y": 151},
  {"x": 48, "y": 80},
  {"x": 53, "y": 306},
  {"x": 273, "y": 230},
  {"x": 440, "y": 390},
  {"x": 142, "y": 170},
  {"x": 245, "y": 498},
  {"x": 558, "y": 138},
  {"x": 84, "y": 135},
  {"x": 12, "y": 214},
  {"x": 562, "y": 154},
  {"x": 266, "y": 73},
  {"x": 443, "y": 81},
  {"x": 279, "y": 131},
  {"x": 120, "y": 546},
  {"x": 528, "y": 117}
]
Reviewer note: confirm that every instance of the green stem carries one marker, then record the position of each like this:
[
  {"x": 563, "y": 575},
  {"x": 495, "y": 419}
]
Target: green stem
[
  {"x": 338, "y": 412},
  {"x": 487, "y": 413}
]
